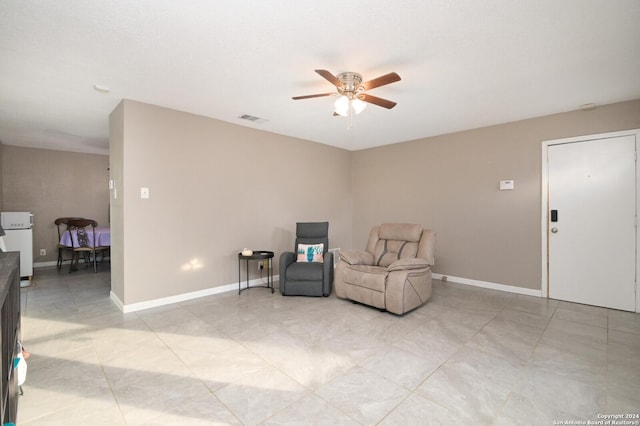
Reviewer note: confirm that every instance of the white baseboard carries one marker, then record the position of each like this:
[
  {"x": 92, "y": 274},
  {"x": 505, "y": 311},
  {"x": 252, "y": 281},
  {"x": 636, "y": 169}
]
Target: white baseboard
[
  {"x": 490, "y": 285},
  {"x": 52, "y": 263},
  {"x": 133, "y": 307},
  {"x": 45, "y": 264},
  {"x": 234, "y": 287}
]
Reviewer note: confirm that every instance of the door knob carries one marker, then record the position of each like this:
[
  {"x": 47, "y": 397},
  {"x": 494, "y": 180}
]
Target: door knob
[{"x": 554, "y": 230}]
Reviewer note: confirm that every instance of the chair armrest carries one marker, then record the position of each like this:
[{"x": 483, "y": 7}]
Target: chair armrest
[
  {"x": 286, "y": 259},
  {"x": 407, "y": 264},
  {"x": 356, "y": 257},
  {"x": 327, "y": 273},
  {"x": 328, "y": 260}
]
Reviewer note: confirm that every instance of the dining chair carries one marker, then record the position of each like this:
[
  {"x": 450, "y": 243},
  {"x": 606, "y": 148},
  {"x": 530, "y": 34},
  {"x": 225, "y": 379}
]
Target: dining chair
[
  {"x": 62, "y": 225},
  {"x": 83, "y": 239}
]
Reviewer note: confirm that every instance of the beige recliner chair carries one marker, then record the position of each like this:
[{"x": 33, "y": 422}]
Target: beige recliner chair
[{"x": 394, "y": 271}]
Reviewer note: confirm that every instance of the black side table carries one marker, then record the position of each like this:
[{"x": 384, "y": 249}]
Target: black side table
[{"x": 257, "y": 255}]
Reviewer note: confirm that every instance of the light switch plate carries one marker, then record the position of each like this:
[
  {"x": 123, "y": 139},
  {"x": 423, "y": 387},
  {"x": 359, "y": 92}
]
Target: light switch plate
[
  {"x": 506, "y": 185},
  {"x": 144, "y": 193}
]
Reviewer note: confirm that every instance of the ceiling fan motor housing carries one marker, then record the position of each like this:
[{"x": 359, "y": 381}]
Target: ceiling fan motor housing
[{"x": 351, "y": 84}]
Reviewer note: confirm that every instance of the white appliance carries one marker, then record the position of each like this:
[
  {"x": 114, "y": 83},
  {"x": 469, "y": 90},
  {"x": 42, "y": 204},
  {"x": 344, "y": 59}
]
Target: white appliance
[{"x": 19, "y": 237}]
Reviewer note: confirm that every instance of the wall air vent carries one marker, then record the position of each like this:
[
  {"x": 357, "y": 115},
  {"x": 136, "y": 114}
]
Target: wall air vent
[{"x": 253, "y": 118}]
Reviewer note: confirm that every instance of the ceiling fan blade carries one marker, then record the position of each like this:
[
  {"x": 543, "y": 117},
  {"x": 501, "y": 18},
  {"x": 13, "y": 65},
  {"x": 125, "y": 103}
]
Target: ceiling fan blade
[
  {"x": 330, "y": 77},
  {"x": 377, "y": 101},
  {"x": 392, "y": 77},
  {"x": 295, "y": 98}
]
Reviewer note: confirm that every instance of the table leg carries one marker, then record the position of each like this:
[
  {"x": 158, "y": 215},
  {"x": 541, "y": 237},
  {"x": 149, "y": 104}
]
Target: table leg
[{"x": 271, "y": 272}]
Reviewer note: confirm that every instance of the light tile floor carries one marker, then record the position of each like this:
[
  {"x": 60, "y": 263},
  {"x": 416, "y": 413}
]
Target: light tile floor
[{"x": 469, "y": 356}]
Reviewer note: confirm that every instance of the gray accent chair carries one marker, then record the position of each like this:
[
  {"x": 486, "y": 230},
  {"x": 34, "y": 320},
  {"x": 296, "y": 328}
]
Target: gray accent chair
[
  {"x": 307, "y": 278},
  {"x": 393, "y": 273}
]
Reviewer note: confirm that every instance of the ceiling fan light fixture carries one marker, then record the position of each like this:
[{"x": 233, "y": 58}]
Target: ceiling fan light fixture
[
  {"x": 358, "y": 105},
  {"x": 342, "y": 106}
]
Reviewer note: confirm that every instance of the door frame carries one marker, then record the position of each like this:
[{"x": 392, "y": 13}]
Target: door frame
[{"x": 544, "y": 231}]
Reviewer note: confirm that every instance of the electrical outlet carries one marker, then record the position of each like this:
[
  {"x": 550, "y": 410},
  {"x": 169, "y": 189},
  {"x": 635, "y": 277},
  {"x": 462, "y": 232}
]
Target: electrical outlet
[
  {"x": 260, "y": 265},
  {"x": 43, "y": 252}
]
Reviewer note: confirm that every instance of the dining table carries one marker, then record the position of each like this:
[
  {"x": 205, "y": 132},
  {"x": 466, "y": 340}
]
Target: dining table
[{"x": 103, "y": 237}]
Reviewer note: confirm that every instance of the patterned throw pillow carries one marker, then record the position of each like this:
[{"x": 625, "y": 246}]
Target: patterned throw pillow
[{"x": 310, "y": 253}]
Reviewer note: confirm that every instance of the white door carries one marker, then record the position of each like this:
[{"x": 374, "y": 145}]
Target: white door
[{"x": 591, "y": 228}]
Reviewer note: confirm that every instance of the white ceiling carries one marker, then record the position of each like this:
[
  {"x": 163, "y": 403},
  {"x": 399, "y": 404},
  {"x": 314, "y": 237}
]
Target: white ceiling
[{"x": 464, "y": 64}]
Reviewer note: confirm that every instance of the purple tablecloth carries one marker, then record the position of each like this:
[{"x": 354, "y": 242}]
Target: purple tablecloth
[{"x": 103, "y": 238}]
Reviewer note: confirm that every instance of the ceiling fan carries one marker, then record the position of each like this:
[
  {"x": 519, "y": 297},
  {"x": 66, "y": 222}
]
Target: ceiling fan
[{"x": 352, "y": 91}]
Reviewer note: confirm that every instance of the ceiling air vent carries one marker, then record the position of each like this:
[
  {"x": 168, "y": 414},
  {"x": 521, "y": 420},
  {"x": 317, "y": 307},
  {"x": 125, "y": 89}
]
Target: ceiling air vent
[{"x": 252, "y": 118}]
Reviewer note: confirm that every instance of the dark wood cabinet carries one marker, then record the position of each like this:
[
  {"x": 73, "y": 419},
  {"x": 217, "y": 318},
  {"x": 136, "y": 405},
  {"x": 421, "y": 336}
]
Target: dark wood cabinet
[{"x": 10, "y": 333}]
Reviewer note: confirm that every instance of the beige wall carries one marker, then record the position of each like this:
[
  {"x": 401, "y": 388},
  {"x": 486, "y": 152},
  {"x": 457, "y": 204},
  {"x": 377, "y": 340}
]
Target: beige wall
[
  {"x": 450, "y": 184},
  {"x": 202, "y": 210},
  {"x": 52, "y": 184},
  {"x": 215, "y": 188}
]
